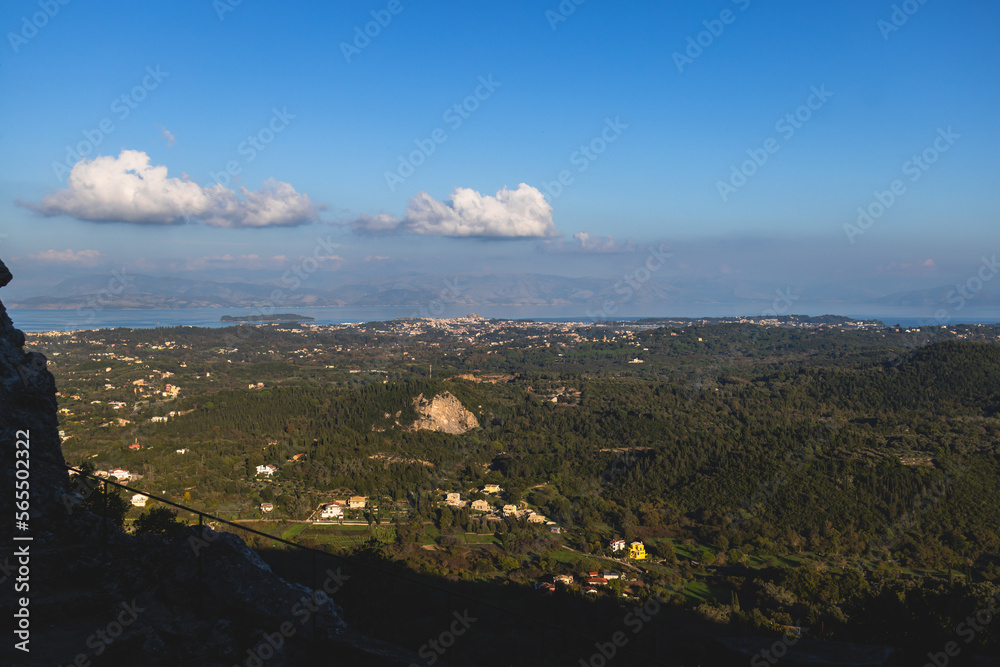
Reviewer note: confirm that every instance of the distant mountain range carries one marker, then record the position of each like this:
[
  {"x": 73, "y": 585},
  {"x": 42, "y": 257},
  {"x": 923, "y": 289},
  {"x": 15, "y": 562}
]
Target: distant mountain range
[
  {"x": 411, "y": 291},
  {"x": 430, "y": 292}
]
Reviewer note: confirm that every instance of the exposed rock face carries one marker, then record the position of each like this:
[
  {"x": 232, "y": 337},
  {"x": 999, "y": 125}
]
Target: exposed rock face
[
  {"x": 492, "y": 378},
  {"x": 28, "y": 404},
  {"x": 443, "y": 413}
]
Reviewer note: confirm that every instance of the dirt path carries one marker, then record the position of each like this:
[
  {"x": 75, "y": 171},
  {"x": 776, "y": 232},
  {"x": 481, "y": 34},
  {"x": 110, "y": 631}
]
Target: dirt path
[{"x": 611, "y": 560}]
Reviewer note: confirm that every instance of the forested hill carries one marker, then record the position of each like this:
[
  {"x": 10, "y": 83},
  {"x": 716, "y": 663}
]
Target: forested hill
[{"x": 837, "y": 437}]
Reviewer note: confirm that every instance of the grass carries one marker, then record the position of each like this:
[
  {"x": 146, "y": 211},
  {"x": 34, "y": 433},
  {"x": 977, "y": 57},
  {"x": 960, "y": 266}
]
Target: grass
[
  {"x": 339, "y": 541},
  {"x": 698, "y": 591},
  {"x": 294, "y": 531},
  {"x": 341, "y": 535},
  {"x": 431, "y": 535},
  {"x": 563, "y": 556}
]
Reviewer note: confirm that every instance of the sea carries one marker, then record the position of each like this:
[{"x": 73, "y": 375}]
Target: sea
[{"x": 36, "y": 320}]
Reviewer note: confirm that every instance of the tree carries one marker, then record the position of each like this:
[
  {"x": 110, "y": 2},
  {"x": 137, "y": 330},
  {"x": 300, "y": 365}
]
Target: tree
[
  {"x": 109, "y": 504},
  {"x": 158, "y": 521},
  {"x": 665, "y": 549},
  {"x": 446, "y": 519},
  {"x": 371, "y": 549}
]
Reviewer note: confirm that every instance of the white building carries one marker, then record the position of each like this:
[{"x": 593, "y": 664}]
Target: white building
[
  {"x": 139, "y": 500},
  {"x": 332, "y": 511}
]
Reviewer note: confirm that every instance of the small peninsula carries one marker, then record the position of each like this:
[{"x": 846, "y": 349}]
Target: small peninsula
[{"x": 277, "y": 317}]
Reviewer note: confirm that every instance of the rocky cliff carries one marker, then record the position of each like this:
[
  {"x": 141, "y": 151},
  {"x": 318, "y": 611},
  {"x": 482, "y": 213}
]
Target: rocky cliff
[{"x": 28, "y": 415}]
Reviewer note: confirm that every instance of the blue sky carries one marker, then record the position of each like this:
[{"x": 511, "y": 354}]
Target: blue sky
[{"x": 673, "y": 130}]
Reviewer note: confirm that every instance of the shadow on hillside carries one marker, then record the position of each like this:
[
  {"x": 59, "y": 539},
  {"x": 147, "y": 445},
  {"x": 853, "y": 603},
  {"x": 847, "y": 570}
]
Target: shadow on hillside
[{"x": 490, "y": 623}]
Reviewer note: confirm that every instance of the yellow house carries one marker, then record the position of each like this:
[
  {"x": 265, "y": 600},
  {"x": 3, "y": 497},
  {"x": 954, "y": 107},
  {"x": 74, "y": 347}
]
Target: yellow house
[{"x": 637, "y": 551}]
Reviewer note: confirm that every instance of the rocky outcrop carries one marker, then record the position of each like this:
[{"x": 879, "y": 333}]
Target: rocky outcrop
[
  {"x": 28, "y": 423},
  {"x": 443, "y": 413}
]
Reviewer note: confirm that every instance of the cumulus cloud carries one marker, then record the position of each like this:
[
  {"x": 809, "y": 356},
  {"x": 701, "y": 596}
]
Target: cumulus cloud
[
  {"x": 518, "y": 213},
  {"x": 128, "y": 189},
  {"x": 81, "y": 257}
]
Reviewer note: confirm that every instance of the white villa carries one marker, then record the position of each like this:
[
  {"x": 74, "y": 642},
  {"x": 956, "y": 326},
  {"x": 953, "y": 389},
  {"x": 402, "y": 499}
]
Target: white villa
[{"x": 332, "y": 511}]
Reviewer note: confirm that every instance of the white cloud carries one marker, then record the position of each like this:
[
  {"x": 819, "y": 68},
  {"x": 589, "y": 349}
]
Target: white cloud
[
  {"x": 590, "y": 243},
  {"x": 925, "y": 266},
  {"x": 128, "y": 189},
  {"x": 230, "y": 261},
  {"x": 519, "y": 213},
  {"x": 169, "y": 136},
  {"x": 383, "y": 223},
  {"x": 583, "y": 242},
  {"x": 81, "y": 257}
]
